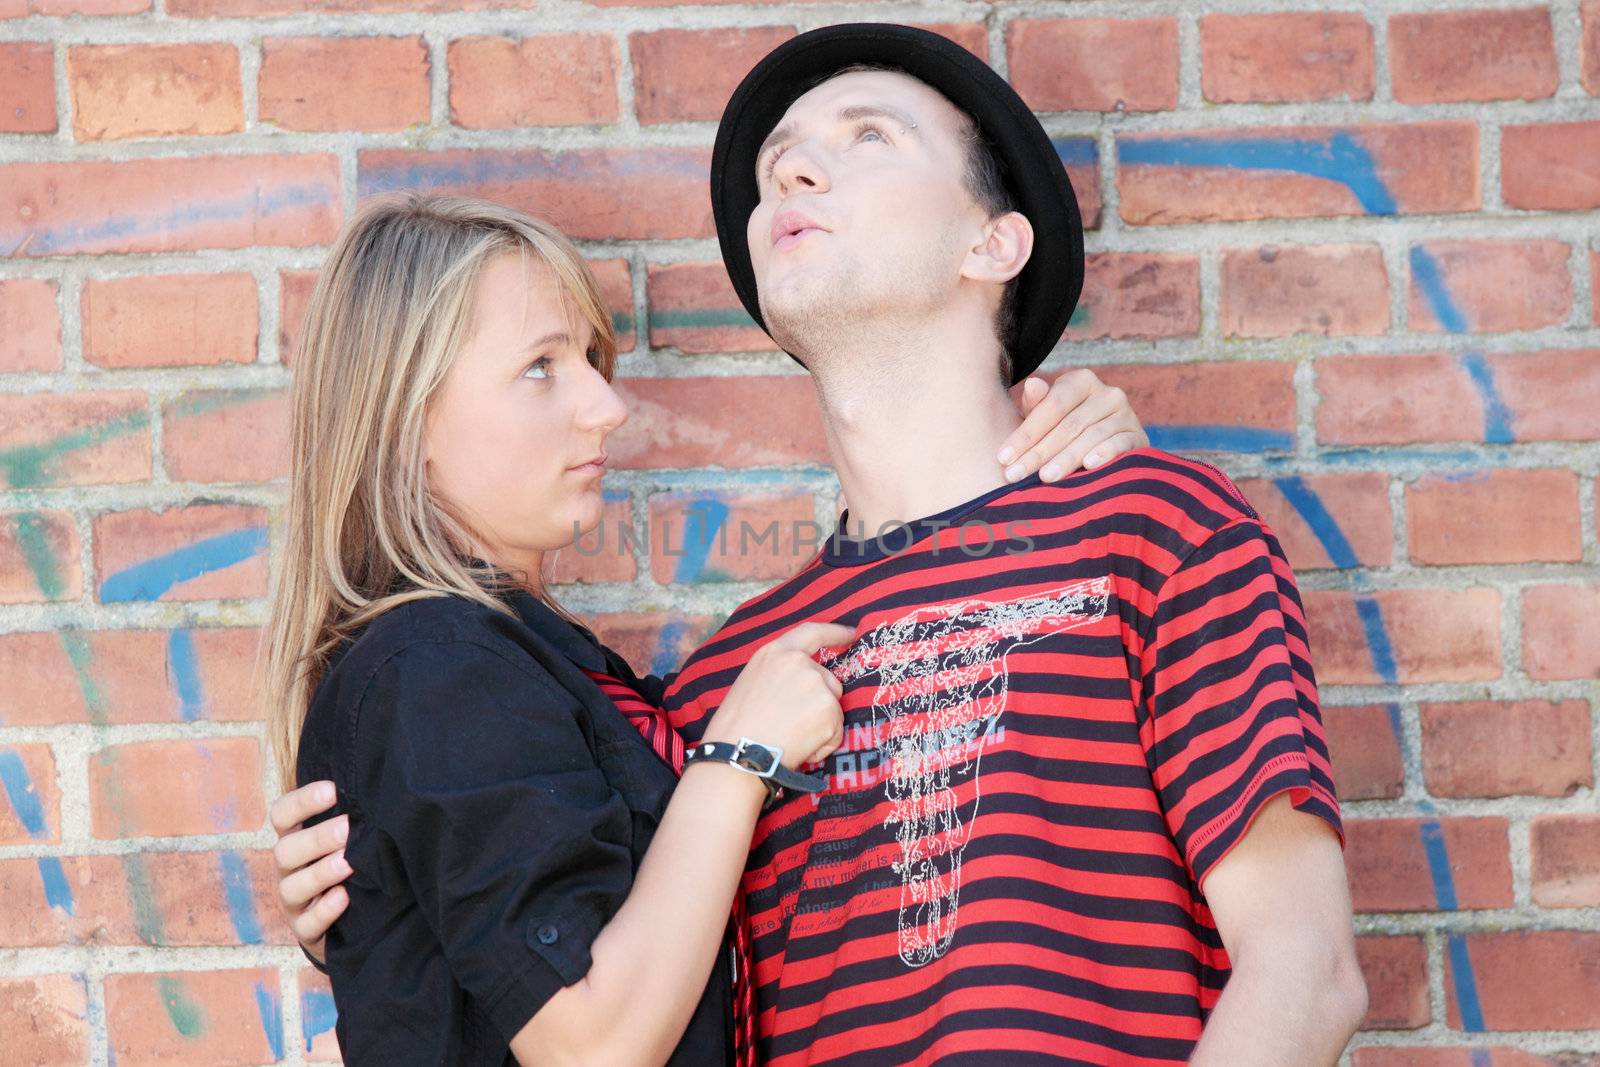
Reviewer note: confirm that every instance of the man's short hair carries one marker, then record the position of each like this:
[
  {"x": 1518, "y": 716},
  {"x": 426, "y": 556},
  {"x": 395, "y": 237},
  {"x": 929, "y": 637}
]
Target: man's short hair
[{"x": 985, "y": 179}]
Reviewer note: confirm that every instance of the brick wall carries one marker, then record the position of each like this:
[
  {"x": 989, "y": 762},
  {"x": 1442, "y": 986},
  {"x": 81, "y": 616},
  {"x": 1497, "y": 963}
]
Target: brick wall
[{"x": 1350, "y": 255}]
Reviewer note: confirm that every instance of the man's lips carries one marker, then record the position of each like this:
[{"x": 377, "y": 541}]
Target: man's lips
[{"x": 789, "y": 227}]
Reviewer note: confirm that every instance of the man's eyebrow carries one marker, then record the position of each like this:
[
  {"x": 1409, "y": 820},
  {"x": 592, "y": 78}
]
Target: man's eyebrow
[{"x": 786, "y": 131}]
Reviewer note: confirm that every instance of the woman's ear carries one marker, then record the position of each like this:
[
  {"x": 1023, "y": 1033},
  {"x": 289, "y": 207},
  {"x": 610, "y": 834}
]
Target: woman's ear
[{"x": 1000, "y": 256}]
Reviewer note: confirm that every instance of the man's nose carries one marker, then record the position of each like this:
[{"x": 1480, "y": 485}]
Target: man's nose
[{"x": 801, "y": 169}]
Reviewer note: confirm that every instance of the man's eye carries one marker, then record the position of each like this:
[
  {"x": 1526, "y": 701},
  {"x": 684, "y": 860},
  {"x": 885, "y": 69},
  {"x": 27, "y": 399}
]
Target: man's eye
[
  {"x": 868, "y": 130},
  {"x": 540, "y": 368}
]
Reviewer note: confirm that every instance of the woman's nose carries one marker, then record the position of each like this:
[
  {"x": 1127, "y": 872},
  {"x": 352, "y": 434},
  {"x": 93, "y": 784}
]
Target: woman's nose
[{"x": 603, "y": 408}]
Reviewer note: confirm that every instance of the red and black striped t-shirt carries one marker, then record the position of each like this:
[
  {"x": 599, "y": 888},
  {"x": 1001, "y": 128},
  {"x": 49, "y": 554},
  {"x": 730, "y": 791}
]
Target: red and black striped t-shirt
[{"x": 1048, "y": 745}]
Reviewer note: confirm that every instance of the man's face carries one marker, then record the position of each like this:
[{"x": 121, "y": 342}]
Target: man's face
[{"x": 863, "y": 211}]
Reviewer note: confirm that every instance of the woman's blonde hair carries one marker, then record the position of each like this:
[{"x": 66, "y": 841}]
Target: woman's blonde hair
[{"x": 362, "y": 533}]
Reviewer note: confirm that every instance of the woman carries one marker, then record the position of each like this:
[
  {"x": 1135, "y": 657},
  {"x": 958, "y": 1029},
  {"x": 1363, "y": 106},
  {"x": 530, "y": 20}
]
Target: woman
[{"x": 527, "y": 881}]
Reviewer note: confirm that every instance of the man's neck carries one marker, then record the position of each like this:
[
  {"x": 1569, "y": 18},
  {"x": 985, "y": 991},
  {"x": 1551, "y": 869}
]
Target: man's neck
[{"x": 914, "y": 441}]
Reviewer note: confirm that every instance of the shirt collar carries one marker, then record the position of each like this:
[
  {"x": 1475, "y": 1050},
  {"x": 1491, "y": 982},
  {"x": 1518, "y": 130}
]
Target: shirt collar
[{"x": 577, "y": 643}]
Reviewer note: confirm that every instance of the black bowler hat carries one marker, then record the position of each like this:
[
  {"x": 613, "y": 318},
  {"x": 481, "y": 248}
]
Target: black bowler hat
[{"x": 1048, "y": 286}]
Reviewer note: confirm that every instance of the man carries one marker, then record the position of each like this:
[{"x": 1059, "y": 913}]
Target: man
[{"x": 1083, "y": 810}]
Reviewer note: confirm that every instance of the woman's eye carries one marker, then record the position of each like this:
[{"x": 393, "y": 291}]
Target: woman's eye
[{"x": 539, "y": 369}]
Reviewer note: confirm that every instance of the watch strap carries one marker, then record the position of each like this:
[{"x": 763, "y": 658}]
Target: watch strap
[{"x": 757, "y": 759}]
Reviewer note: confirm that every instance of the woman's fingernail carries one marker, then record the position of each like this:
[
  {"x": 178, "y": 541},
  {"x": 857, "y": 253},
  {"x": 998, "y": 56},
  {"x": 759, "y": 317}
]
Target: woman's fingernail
[
  {"x": 1007, "y": 454},
  {"x": 1013, "y": 473},
  {"x": 1092, "y": 459},
  {"x": 1050, "y": 473},
  {"x": 325, "y": 794}
]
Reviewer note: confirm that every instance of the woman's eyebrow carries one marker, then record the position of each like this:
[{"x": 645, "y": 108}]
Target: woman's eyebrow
[{"x": 560, "y": 337}]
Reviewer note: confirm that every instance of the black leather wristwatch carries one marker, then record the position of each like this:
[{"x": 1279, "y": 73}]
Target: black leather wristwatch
[{"x": 755, "y": 758}]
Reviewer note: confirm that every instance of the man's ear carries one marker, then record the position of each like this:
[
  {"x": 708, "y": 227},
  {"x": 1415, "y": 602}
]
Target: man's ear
[{"x": 1000, "y": 256}]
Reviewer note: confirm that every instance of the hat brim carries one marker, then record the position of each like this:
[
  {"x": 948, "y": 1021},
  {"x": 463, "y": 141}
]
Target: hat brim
[{"x": 1048, "y": 286}]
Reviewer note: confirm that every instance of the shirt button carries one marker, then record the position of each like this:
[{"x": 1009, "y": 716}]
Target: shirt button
[{"x": 548, "y": 935}]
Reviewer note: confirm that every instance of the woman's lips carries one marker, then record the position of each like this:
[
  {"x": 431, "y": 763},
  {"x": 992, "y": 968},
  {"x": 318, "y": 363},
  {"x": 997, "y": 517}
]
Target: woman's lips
[{"x": 591, "y": 467}]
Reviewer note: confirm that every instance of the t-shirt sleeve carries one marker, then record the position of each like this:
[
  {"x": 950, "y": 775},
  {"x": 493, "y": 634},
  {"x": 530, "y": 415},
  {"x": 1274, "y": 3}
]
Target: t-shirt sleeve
[
  {"x": 474, "y": 769},
  {"x": 1230, "y": 717}
]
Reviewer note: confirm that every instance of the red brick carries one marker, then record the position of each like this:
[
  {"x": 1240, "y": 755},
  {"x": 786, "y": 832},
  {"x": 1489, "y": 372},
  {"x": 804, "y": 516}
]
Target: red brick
[
  {"x": 1095, "y": 64},
  {"x": 30, "y": 325},
  {"x": 1390, "y": 868},
  {"x": 1498, "y": 516},
  {"x": 553, "y": 79},
  {"x": 154, "y": 90},
  {"x": 1434, "y": 635},
  {"x": 318, "y": 1015},
  {"x": 79, "y": 7},
  {"x": 614, "y": 278},
  {"x": 1566, "y": 860},
  {"x": 1558, "y": 631},
  {"x": 45, "y": 1019},
  {"x": 227, "y": 436},
  {"x": 27, "y": 87},
  {"x": 1365, "y": 751},
  {"x": 761, "y": 536},
  {"x": 1551, "y": 166},
  {"x": 973, "y": 36},
  {"x": 168, "y": 205},
  {"x": 174, "y": 788},
  {"x": 1531, "y": 980},
  {"x": 1358, "y": 503},
  {"x": 73, "y": 438},
  {"x": 590, "y": 193},
  {"x": 1426, "y": 168},
  {"x": 1472, "y": 55},
  {"x": 754, "y": 421},
  {"x": 39, "y": 553},
  {"x": 679, "y": 3},
  {"x": 201, "y": 552},
  {"x": 1137, "y": 295},
  {"x": 1228, "y": 406},
  {"x": 654, "y": 642},
  {"x": 693, "y": 308},
  {"x": 1332, "y": 290},
  {"x": 1493, "y": 748},
  {"x": 1289, "y": 56},
  {"x": 128, "y": 676},
  {"x": 184, "y": 898},
  {"x": 1495, "y": 286},
  {"x": 1081, "y": 158},
  {"x": 294, "y": 295},
  {"x": 1476, "y": 1056},
  {"x": 604, "y": 554},
  {"x": 30, "y": 800},
  {"x": 1591, "y": 46},
  {"x": 688, "y": 75},
  {"x": 1396, "y": 970},
  {"x": 166, "y": 320},
  {"x": 211, "y": 1017},
  {"x": 344, "y": 83},
  {"x": 249, "y": 8},
  {"x": 1371, "y": 400}
]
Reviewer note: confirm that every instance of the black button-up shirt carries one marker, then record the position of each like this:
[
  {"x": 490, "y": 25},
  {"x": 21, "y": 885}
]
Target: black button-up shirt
[{"x": 499, "y": 807}]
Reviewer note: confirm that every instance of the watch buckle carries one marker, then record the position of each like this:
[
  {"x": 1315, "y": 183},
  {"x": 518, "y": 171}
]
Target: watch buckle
[{"x": 744, "y": 745}]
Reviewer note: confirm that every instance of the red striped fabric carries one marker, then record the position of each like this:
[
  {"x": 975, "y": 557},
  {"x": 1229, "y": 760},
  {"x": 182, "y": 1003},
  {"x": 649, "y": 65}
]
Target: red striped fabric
[
  {"x": 651, "y": 721},
  {"x": 1048, "y": 746}
]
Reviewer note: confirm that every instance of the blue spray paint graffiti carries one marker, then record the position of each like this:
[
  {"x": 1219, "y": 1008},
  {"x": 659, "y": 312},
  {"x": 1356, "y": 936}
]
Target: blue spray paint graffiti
[
  {"x": 22, "y": 794},
  {"x": 153, "y": 578},
  {"x": 57, "y": 891},
  {"x": 1337, "y": 158},
  {"x": 703, "y": 521},
  {"x": 1220, "y": 439},
  {"x": 185, "y": 669},
  {"x": 270, "y": 1010},
  {"x": 317, "y": 1014},
  {"x": 241, "y": 899}
]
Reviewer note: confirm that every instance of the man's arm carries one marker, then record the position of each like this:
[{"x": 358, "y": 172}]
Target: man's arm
[{"x": 1282, "y": 905}]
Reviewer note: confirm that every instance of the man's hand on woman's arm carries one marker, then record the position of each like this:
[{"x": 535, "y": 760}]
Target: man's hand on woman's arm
[
  {"x": 310, "y": 864},
  {"x": 1074, "y": 421}
]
